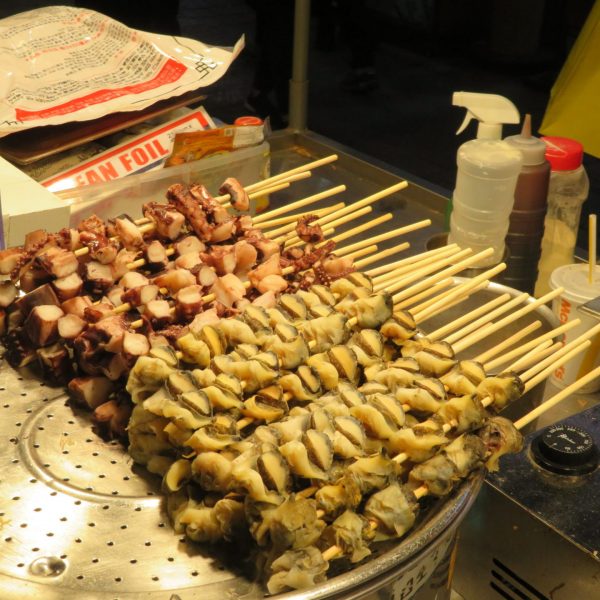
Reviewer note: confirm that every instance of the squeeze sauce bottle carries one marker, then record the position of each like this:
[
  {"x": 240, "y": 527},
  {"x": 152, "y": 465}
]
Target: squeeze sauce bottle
[
  {"x": 526, "y": 228},
  {"x": 487, "y": 174}
]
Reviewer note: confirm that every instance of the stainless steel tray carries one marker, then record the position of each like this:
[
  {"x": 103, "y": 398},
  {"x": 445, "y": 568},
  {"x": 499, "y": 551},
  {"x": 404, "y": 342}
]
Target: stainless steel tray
[{"x": 79, "y": 520}]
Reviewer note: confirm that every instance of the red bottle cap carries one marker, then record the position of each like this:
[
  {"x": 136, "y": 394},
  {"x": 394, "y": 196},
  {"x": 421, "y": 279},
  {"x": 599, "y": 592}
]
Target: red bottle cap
[
  {"x": 563, "y": 154},
  {"x": 248, "y": 121}
]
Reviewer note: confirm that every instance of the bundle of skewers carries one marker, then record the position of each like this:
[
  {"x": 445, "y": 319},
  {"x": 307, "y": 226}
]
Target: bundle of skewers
[{"x": 283, "y": 389}]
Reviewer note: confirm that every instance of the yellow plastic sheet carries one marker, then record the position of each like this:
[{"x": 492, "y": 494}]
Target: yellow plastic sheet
[{"x": 574, "y": 107}]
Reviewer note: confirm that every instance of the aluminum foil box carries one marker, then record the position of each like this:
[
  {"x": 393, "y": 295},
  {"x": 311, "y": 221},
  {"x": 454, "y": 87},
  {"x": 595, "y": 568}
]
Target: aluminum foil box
[{"x": 27, "y": 205}]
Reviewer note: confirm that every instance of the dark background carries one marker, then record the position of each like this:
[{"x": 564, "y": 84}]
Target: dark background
[{"x": 421, "y": 50}]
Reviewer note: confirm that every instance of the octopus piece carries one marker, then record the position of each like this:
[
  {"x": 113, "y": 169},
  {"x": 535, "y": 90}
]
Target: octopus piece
[
  {"x": 228, "y": 289},
  {"x": 68, "y": 287},
  {"x": 189, "y": 207},
  {"x": 221, "y": 258},
  {"x": 188, "y": 261},
  {"x": 98, "y": 277},
  {"x": 189, "y": 244},
  {"x": 270, "y": 266},
  {"x": 309, "y": 230},
  {"x": 57, "y": 262},
  {"x": 69, "y": 239},
  {"x": 76, "y": 306},
  {"x": 238, "y": 196},
  {"x": 55, "y": 363},
  {"x": 93, "y": 224},
  {"x": 70, "y": 326},
  {"x": 135, "y": 344},
  {"x": 101, "y": 248},
  {"x": 8, "y": 293},
  {"x": 120, "y": 265},
  {"x": 175, "y": 280},
  {"x": 129, "y": 234},
  {"x": 206, "y": 276},
  {"x": 91, "y": 391},
  {"x": 245, "y": 257},
  {"x": 113, "y": 417},
  {"x": 133, "y": 279},
  {"x": 155, "y": 255},
  {"x": 41, "y": 325},
  {"x": 140, "y": 296},
  {"x": 11, "y": 258},
  {"x": 167, "y": 220},
  {"x": 337, "y": 267},
  {"x": 108, "y": 333}
]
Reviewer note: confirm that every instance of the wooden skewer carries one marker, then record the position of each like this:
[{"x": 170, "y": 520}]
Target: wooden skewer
[
  {"x": 470, "y": 316},
  {"x": 423, "y": 271},
  {"x": 298, "y": 204},
  {"x": 506, "y": 358},
  {"x": 551, "y": 402},
  {"x": 427, "y": 309},
  {"x": 590, "y": 333},
  {"x": 302, "y": 168},
  {"x": 476, "y": 337},
  {"x": 435, "y": 291},
  {"x": 402, "y": 298},
  {"x": 450, "y": 303},
  {"x": 320, "y": 212},
  {"x": 382, "y": 237},
  {"x": 360, "y": 229},
  {"x": 540, "y": 352},
  {"x": 415, "y": 262},
  {"x": 380, "y": 256},
  {"x": 564, "y": 355},
  {"x": 508, "y": 342},
  {"x": 409, "y": 260},
  {"x": 487, "y": 318}
]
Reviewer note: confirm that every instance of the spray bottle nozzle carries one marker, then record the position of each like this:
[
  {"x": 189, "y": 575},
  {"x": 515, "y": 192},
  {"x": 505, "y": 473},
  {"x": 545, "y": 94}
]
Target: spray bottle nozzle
[{"x": 491, "y": 110}]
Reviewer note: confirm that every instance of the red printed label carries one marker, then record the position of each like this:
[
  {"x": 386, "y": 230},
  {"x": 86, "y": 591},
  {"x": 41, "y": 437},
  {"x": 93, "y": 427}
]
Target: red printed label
[{"x": 169, "y": 73}]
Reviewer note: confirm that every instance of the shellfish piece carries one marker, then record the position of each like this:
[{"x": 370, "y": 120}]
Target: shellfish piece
[
  {"x": 321, "y": 310},
  {"x": 432, "y": 385},
  {"x": 264, "y": 408},
  {"x": 418, "y": 446},
  {"x": 180, "y": 382},
  {"x": 296, "y": 455},
  {"x": 212, "y": 471},
  {"x": 352, "y": 429},
  {"x": 257, "y": 317},
  {"x": 291, "y": 428},
  {"x": 344, "y": 360},
  {"x": 351, "y": 533},
  {"x": 294, "y": 306},
  {"x": 438, "y": 473},
  {"x": 236, "y": 332},
  {"x": 500, "y": 437},
  {"x": 214, "y": 340},
  {"x": 246, "y": 350},
  {"x": 349, "y": 395},
  {"x": 432, "y": 363},
  {"x": 293, "y": 384},
  {"x": 502, "y": 389},
  {"x": 274, "y": 471},
  {"x": 193, "y": 350},
  {"x": 343, "y": 495},
  {"x": 326, "y": 372},
  {"x": 324, "y": 294},
  {"x": 166, "y": 354},
  {"x": 319, "y": 448},
  {"x": 466, "y": 411},
  {"x": 373, "y": 311},
  {"x": 389, "y": 406},
  {"x": 277, "y": 316},
  {"x": 467, "y": 452},
  {"x": 399, "y": 328},
  {"x": 394, "y": 508},
  {"x": 229, "y": 383},
  {"x": 146, "y": 376},
  {"x": 376, "y": 424},
  {"x": 210, "y": 439},
  {"x": 370, "y": 341},
  {"x": 222, "y": 400},
  {"x": 290, "y": 351},
  {"x": 324, "y": 332},
  {"x": 179, "y": 473},
  {"x": 373, "y": 472},
  {"x": 373, "y": 387}
]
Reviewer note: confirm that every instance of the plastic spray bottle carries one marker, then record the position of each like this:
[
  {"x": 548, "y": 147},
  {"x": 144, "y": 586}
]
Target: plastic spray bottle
[{"x": 487, "y": 174}]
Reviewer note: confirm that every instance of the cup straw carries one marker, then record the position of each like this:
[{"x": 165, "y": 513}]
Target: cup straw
[{"x": 592, "y": 248}]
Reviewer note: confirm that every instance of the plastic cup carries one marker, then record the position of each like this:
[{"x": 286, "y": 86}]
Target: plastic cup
[{"x": 578, "y": 290}]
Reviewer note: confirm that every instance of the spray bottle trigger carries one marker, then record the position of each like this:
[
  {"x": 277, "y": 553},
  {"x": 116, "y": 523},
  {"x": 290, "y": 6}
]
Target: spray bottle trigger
[{"x": 465, "y": 122}]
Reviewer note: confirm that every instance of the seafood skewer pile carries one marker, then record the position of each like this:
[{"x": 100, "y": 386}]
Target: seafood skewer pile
[{"x": 365, "y": 418}]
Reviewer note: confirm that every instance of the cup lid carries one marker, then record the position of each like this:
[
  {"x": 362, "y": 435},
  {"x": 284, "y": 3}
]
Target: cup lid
[
  {"x": 564, "y": 154},
  {"x": 574, "y": 278}
]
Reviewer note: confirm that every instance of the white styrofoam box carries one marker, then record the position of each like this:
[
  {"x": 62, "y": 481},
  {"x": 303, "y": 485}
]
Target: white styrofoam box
[{"x": 27, "y": 205}]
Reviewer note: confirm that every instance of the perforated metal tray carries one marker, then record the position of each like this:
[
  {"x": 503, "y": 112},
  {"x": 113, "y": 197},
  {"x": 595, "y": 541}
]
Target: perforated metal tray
[{"x": 79, "y": 520}]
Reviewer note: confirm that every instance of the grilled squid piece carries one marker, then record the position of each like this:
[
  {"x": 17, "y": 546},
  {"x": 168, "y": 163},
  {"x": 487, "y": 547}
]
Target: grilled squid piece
[
  {"x": 500, "y": 437},
  {"x": 394, "y": 508},
  {"x": 502, "y": 389},
  {"x": 351, "y": 533},
  {"x": 297, "y": 569}
]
